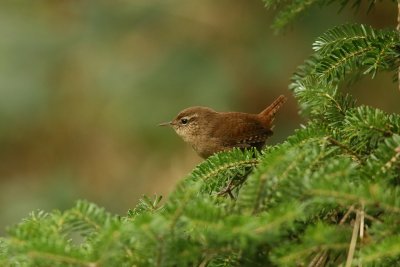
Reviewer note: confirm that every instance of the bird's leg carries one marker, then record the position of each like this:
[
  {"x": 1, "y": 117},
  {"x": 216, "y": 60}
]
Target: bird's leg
[
  {"x": 232, "y": 185},
  {"x": 227, "y": 190}
]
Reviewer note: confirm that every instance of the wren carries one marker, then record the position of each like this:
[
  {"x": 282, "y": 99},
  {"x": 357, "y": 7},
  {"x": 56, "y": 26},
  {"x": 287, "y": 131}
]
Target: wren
[{"x": 209, "y": 131}]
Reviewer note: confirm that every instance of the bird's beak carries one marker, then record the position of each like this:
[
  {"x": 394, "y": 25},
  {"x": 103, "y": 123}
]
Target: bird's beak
[{"x": 165, "y": 123}]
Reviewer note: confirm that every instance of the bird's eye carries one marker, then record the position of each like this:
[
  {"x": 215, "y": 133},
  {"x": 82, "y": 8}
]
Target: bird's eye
[{"x": 184, "y": 121}]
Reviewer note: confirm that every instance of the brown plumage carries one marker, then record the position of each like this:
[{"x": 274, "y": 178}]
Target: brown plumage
[{"x": 209, "y": 131}]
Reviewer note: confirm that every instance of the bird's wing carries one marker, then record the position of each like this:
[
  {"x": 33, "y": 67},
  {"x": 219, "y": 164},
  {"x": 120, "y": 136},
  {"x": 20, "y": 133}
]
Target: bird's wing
[{"x": 242, "y": 131}]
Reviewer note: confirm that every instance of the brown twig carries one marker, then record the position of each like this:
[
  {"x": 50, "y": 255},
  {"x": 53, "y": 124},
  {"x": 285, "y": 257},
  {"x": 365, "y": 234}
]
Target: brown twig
[
  {"x": 319, "y": 259},
  {"x": 362, "y": 219},
  {"x": 348, "y": 212},
  {"x": 353, "y": 241}
]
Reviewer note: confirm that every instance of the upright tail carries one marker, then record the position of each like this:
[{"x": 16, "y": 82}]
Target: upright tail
[{"x": 268, "y": 114}]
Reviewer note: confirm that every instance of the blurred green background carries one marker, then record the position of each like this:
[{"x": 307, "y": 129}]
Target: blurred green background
[{"x": 83, "y": 84}]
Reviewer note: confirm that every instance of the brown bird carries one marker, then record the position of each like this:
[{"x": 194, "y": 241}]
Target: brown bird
[{"x": 209, "y": 131}]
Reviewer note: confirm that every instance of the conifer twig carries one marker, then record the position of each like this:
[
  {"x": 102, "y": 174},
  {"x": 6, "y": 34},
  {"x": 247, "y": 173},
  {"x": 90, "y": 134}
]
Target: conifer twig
[
  {"x": 348, "y": 212},
  {"x": 344, "y": 147},
  {"x": 392, "y": 160},
  {"x": 372, "y": 218},
  {"x": 319, "y": 259},
  {"x": 353, "y": 241},
  {"x": 362, "y": 217},
  {"x": 60, "y": 258}
]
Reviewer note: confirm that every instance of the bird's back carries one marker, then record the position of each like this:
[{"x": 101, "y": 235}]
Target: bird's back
[{"x": 236, "y": 129}]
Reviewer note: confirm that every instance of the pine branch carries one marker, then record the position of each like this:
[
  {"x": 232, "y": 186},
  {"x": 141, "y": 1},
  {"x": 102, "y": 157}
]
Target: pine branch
[
  {"x": 313, "y": 240},
  {"x": 380, "y": 252},
  {"x": 40, "y": 239},
  {"x": 372, "y": 195},
  {"x": 343, "y": 50},
  {"x": 352, "y": 46},
  {"x": 290, "y": 11},
  {"x": 281, "y": 167},
  {"x": 338, "y": 36},
  {"x": 222, "y": 168},
  {"x": 146, "y": 205},
  {"x": 364, "y": 128}
]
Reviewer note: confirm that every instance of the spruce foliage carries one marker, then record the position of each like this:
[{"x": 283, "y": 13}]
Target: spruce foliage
[{"x": 327, "y": 196}]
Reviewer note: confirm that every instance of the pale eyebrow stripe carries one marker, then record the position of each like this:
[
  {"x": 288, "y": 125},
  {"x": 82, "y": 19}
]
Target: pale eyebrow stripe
[{"x": 193, "y": 116}]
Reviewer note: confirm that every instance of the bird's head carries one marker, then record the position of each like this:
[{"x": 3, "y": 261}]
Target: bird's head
[{"x": 190, "y": 123}]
